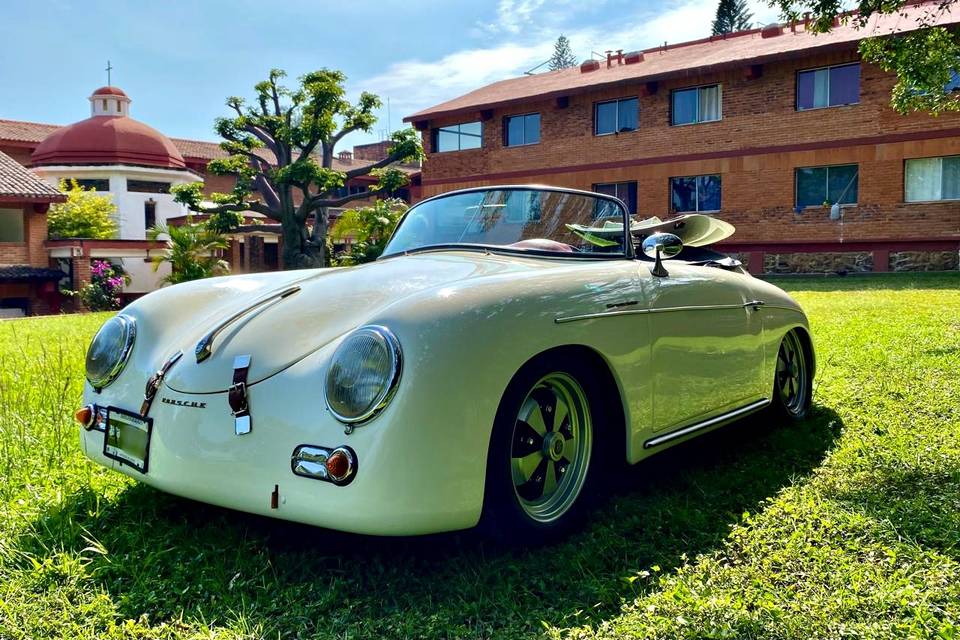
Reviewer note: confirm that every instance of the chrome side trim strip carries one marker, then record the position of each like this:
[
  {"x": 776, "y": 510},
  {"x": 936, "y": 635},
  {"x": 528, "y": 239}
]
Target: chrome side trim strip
[
  {"x": 726, "y": 417},
  {"x": 608, "y": 314}
]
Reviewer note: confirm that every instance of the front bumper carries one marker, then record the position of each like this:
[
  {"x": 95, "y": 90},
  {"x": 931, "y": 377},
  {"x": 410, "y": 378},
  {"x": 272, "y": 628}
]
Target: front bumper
[{"x": 403, "y": 484}]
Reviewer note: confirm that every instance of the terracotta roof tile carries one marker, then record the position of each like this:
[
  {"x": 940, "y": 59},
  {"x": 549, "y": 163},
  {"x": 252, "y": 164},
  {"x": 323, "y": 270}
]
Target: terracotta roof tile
[
  {"x": 191, "y": 150},
  {"x": 26, "y": 272},
  {"x": 688, "y": 59},
  {"x": 20, "y": 131},
  {"x": 16, "y": 181}
]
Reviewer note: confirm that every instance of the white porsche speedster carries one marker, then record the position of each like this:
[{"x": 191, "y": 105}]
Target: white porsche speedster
[{"x": 511, "y": 346}]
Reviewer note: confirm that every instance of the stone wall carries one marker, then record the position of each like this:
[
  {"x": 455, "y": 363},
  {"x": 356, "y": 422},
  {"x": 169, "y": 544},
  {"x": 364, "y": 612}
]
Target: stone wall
[
  {"x": 924, "y": 261},
  {"x": 819, "y": 262}
]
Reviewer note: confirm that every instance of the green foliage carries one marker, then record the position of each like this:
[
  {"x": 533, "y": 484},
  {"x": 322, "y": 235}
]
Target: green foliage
[
  {"x": 369, "y": 228},
  {"x": 85, "y": 214},
  {"x": 843, "y": 526},
  {"x": 563, "y": 56},
  {"x": 923, "y": 60},
  {"x": 190, "y": 194},
  {"x": 192, "y": 251},
  {"x": 104, "y": 292},
  {"x": 281, "y": 149},
  {"x": 732, "y": 15}
]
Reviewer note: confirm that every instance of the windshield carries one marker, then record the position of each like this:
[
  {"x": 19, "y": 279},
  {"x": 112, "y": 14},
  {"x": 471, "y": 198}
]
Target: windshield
[{"x": 520, "y": 219}]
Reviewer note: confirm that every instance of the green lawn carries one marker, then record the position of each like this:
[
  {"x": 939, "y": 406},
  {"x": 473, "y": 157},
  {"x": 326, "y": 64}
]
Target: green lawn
[{"x": 847, "y": 525}]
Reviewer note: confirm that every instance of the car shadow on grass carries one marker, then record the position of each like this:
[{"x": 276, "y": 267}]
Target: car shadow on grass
[{"x": 171, "y": 559}]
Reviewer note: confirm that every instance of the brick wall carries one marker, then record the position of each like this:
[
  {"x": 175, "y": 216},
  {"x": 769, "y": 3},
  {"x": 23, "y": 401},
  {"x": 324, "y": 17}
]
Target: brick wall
[
  {"x": 756, "y": 148},
  {"x": 31, "y": 250}
]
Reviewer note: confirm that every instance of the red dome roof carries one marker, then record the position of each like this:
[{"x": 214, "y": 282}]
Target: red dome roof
[
  {"x": 108, "y": 140},
  {"x": 110, "y": 91}
]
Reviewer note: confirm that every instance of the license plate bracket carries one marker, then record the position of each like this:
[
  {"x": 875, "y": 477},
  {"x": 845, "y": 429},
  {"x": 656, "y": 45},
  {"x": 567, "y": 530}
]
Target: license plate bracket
[{"x": 126, "y": 438}]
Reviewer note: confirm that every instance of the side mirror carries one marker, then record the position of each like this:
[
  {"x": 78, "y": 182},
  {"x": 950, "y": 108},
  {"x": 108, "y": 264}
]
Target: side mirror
[{"x": 660, "y": 247}]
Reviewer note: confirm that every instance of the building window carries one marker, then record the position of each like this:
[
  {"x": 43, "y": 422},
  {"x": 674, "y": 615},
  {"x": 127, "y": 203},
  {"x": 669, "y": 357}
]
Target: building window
[
  {"x": 626, "y": 191},
  {"x": 954, "y": 84},
  {"x": 817, "y": 186},
  {"x": 11, "y": 225},
  {"x": 697, "y": 104},
  {"x": 616, "y": 116},
  {"x": 96, "y": 184},
  {"x": 147, "y": 186},
  {"x": 521, "y": 130},
  {"x": 828, "y": 87},
  {"x": 149, "y": 214},
  {"x": 932, "y": 179},
  {"x": 358, "y": 188},
  {"x": 458, "y": 137},
  {"x": 695, "y": 193}
]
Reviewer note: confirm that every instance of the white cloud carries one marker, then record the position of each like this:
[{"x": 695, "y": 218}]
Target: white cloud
[
  {"x": 527, "y": 30},
  {"x": 514, "y": 15}
]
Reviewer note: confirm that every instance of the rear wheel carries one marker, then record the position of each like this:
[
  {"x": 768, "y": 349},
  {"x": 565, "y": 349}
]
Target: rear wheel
[
  {"x": 546, "y": 452},
  {"x": 793, "y": 384}
]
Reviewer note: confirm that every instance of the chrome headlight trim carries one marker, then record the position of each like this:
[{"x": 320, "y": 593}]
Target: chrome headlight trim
[
  {"x": 129, "y": 326},
  {"x": 382, "y": 399}
]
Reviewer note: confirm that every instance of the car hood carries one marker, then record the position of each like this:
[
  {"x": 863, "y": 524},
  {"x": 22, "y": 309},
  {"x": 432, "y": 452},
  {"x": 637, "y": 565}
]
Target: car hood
[{"x": 329, "y": 303}]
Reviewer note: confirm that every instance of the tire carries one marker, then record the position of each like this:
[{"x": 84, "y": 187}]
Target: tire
[
  {"x": 792, "y": 378},
  {"x": 542, "y": 474}
]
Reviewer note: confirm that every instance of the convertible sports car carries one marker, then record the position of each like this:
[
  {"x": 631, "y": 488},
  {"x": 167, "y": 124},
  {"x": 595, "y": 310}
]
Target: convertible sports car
[{"x": 511, "y": 346}]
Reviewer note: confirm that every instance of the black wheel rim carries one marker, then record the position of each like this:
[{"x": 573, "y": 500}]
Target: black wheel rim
[{"x": 792, "y": 381}]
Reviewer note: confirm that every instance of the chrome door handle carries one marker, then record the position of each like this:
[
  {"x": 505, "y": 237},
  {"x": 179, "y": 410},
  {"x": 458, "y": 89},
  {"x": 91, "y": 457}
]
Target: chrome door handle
[{"x": 754, "y": 304}]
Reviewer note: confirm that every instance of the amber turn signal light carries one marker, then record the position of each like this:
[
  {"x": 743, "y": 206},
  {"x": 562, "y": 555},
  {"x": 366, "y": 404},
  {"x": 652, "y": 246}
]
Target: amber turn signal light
[
  {"x": 84, "y": 416},
  {"x": 339, "y": 465}
]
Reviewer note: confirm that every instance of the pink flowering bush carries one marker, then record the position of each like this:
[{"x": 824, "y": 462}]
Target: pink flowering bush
[{"x": 104, "y": 293}]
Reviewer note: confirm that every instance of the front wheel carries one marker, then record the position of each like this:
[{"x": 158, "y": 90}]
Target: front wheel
[
  {"x": 544, "y": 461},
  {"x": 793, "y": 380}
]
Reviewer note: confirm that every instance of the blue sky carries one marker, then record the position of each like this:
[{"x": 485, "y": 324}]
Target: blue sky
[{"x": 178, "y": 60}]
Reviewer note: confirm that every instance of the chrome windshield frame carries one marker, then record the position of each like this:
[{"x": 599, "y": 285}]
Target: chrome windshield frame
[{"x": 628, "y": 252}]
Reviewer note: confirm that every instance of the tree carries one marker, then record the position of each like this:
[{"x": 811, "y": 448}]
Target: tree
[
  {"x": 563, "y": 56},
  {"x": 84, "y": 215},
  {"x": 282, "y": 148},
  {"x": 369, "y": 228},
  {"x": 192, "y": 251},
  {"x": 732, "y": 15},
  {"x": 925, "y": 60}
]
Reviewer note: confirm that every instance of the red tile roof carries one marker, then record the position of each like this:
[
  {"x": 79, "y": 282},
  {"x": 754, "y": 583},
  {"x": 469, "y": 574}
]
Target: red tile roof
[
  {"x": 191, "y": 150},
  {"x": 19, "y": 131},
  {"x": 689, "y": 59},
  {"x": 18, "y": 182}
]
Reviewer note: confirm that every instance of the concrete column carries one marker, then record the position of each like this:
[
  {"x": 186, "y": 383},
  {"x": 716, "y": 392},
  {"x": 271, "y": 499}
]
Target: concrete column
[
  {"x": 255, "y": 263},
  {"x": 235, "y": 255},
  {"x": 881, "y": 260},
  {"x": 80, "y": 267}
]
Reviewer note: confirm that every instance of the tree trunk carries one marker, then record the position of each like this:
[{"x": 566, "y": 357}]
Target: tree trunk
[{"x": 298, "y": 251}]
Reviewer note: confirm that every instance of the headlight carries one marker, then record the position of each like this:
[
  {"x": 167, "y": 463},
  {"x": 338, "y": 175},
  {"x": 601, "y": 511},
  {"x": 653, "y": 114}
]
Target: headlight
[
  {"x": 110, "y": 349},
  {"x": 363, "y": 374}
]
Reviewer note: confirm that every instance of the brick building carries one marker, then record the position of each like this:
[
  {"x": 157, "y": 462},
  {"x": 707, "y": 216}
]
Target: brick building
[
  {"x": 766, "y": 128},
  {"x": 27, "y": 284},
  {"x": 136, "y": 166}
]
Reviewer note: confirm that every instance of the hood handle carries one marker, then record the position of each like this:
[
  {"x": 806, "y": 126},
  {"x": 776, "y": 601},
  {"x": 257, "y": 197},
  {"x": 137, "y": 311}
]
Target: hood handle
[{"x": 204, "y": 348}]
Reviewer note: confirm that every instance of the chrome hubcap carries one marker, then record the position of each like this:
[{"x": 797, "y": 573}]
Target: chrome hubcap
[
  {"x": 552, "y": 438},
  {"x": 792, "y": 374}
]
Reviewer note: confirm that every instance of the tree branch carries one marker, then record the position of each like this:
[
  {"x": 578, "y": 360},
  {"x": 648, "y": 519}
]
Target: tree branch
[
  {"x": 379, "y": 164},
  {"x": 257, "y": 207},
  {"x": 267, "y": 192},
  {"x": 339, "y": 136},
  {"x": 317, "y": 201}
]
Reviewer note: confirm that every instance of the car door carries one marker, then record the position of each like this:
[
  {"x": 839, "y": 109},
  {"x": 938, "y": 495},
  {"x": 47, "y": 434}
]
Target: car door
[{"x": 706, "y": 343}]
